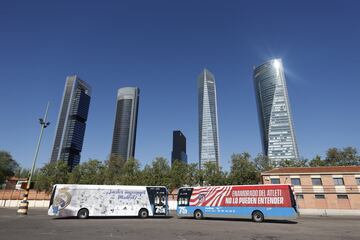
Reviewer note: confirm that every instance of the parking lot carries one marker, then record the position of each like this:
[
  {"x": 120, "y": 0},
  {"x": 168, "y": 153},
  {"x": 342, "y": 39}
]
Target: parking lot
[{"x": 37, "y": 225}]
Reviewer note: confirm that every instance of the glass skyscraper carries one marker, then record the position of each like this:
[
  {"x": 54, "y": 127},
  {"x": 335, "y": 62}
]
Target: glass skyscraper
[
  {"x": 208, "y": 120},
  {"x": 275, "y": 120},
  {"x": 124, "y": 137},
  {"x": 71, "y": 123},
  {"x": 179, "y": 147}
]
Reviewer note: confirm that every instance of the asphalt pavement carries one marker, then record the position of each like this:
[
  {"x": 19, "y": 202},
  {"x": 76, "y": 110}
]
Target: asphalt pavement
[{"x": 37, "y": 225}]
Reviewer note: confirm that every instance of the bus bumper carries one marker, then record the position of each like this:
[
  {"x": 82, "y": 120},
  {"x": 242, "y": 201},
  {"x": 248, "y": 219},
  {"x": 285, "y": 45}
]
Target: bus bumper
[{"x": 53, "y": 211}]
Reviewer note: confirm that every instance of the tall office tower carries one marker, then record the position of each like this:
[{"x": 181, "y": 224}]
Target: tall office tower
[
  {"x": 276, "y": 125},
  {"x": 179, "y": 147},
  {"x": 70, "y": 130},
  {"x": 208, "y": 120},
  {"x": 124, "y": 136}
]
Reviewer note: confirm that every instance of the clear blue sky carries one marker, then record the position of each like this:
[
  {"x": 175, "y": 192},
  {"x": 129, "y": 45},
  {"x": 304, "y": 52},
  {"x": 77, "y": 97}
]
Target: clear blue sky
[{"x": 161, "y": 47}]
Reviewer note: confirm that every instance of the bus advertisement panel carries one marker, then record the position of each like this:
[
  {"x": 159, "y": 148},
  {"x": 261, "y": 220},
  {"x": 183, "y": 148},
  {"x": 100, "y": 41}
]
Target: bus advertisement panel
[
  {"x": 257, "y": 202},
  {"x": 108, "y": 200}
]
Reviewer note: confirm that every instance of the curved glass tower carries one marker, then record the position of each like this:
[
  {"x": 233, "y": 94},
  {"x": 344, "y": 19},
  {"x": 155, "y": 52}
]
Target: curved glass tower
[
  {"x": 276, "y": 125},
  {"x": 208, "y": 120},
  {"x": 124, "y": 136}
]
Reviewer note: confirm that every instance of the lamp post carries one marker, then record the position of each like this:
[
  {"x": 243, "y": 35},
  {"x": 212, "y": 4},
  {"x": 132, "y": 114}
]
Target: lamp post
[{"x": 24, "y": 204}]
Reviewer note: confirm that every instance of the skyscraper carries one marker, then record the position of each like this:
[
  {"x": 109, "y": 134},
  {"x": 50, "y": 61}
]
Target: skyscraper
[
  {"x": 275, "y": 120},
  {"x": 71, "y": 123},
  {"x": 124, "y": 136},
  {"x": 179, "y": 147},
  {"x": 208, "y": 120}
]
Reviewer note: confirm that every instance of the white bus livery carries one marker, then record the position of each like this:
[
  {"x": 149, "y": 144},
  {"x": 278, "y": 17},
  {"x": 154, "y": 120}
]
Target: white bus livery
[{"x": 108, "y": 200}]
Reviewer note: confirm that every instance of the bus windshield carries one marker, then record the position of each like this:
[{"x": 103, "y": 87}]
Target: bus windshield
[
  {"x": 184, "y": 196},
  {"x": 52, "y": 196}
]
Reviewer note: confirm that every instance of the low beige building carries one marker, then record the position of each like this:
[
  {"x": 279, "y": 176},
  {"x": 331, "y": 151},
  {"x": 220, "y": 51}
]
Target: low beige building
[{"x": 321, "y": 190}]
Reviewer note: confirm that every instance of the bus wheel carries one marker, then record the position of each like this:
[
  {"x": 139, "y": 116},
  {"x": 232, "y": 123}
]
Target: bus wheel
[
  {"x": 257, "y": 216},
  {"x": 198, "y": 214},
  {"x": 83, "y": 213},
  {"x": 143, "y": 213}
]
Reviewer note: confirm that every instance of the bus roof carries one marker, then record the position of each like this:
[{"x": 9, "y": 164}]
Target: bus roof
[
  {"x": 89, "y": 186},
  {"x": 251, "y": 185}
]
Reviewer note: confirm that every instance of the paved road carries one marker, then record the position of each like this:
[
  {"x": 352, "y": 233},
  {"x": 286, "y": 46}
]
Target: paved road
[{"x": 37, "y": 225}]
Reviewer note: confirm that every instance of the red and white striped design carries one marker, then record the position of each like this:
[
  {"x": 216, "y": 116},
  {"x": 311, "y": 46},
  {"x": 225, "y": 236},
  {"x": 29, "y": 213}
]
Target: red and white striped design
[{"x": 209, "y": 196}]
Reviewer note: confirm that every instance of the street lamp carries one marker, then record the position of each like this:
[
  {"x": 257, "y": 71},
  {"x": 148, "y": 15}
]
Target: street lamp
[{"x": 24, "y": 204}]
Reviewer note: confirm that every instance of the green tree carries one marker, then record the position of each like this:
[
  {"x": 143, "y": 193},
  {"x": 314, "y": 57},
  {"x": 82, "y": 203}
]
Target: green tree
[
  {"x": 22, "y": 172},
  {"x": 333, "y": 157},
  {"x": 213, "y": 175},
  {"x": 316, "y": 162},
  {"x": 293, "y": 163},
  {"x": 113, "y": 168},
  {"x": 178, "y": 174},
  {"x": 242, "y": 170},
  {"x": 75, "y": 175},
  {"x": 131, "y": 174},
  {"x": 52, "y": 173},
  {"x": 194, "y": 175},
  {"x": 146, "y": 176},
  {"x": 160, "y": 170},
  {"x": 263, "y": 163},
  {"x": 90, "y": 172},
  {"x": 342, "y": 157},
  {"x": 350, "y": 157},
  {"x": 8, "y": 166}
]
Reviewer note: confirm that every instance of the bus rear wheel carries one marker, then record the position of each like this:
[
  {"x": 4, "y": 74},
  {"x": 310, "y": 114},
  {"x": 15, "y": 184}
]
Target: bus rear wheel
[
  {"x": 198, "y": 214},
  {"x": 83, "y": 213},
  {"x": 257, "y": 216},
  {"x": 143, "y": 213}
]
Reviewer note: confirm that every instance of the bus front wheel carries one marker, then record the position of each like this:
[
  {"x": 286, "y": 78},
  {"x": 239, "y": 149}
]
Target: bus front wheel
[
  {"x": 198, "y": 214},
  {"x": 83, "y": 213},
  {"x": 257, "y": 216},
  {"x": 143, "y": 213}
]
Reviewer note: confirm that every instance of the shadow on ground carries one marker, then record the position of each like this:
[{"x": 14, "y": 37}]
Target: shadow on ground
[
  {"x": 241, "y": 220},
  {"x": 114, "y": 217}
]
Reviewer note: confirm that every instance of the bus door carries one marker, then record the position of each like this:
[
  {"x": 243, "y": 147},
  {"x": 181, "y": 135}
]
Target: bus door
[
  {"x": 158, "y": 200},
  {"x": 293, "y": 200}
]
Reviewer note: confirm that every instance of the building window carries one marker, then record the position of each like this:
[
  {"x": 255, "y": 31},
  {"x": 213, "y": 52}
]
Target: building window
[
  {"x": 319, "y": 196},
  {"x": 299, "y": 196},
  {"x": 316, "y": 181},
  {"x": 295, "y": 182},
  {"x": 275, "y": 181},
  {"x": 342, "y": 196},
  {"x": 338, "y": 181},
  {"x": 357, "y": 181}
]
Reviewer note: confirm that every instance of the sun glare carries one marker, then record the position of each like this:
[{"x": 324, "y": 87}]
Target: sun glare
[{"x": 277, "y": 64}]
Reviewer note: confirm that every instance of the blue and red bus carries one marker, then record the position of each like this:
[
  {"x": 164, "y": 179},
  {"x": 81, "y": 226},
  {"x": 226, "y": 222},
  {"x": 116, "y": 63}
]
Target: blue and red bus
[{"x": 256, "y": 202}]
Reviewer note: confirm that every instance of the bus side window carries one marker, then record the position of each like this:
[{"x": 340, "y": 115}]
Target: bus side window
[
  {"x": 157, "y": 200},
  {"x": 183, "y": 201}
]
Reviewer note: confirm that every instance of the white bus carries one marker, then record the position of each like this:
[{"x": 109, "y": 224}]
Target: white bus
[{"x": 83, "y": 201}]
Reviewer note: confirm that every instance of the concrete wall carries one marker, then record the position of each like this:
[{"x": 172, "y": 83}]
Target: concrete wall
[
  {"x": 32, "y": 203},
  {"x": 329, "y": 212}
]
